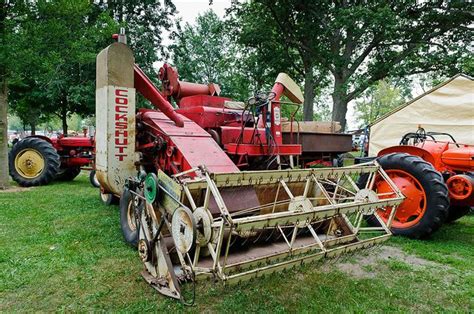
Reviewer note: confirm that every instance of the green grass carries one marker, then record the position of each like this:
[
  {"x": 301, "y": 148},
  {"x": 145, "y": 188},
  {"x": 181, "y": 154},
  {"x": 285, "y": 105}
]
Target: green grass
[{"x": 61, "y": 249}]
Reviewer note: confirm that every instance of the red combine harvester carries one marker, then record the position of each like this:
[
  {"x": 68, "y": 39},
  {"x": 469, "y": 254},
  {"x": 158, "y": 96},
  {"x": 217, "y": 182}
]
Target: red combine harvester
[
  {"x": 435, "y": 173},
  {"x": 38, "y": 160},
  {"x": 213, "y": 188}
]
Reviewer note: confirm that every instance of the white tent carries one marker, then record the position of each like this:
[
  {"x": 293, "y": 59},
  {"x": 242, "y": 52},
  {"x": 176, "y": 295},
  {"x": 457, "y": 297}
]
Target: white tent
[{"x": 449, "y": 108}]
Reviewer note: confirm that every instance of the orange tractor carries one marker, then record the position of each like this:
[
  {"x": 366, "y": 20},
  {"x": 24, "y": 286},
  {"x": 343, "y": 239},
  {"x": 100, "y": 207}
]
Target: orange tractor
[{"x": 436, "y": 175}]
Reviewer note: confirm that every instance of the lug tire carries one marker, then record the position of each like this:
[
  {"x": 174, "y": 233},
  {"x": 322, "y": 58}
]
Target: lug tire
[
  {"x": 93, "y": 179},
  {"x": 68, "y": 174},
  {"x": 130, "y": 234},
  {"x": 456, "y": 212},
  {"x": 48, "y": 154},
  {"x": 108, "y": 199},
  {"x": 436, "y": 193}
]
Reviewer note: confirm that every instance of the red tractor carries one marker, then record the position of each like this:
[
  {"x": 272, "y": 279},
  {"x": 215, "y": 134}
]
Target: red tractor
[
  {"x": 436, "y": 175},
  {"x": 38, "y": 160}
]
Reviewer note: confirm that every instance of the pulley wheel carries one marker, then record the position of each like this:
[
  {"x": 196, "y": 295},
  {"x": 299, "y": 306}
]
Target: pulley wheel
[
  {"x": 183, "y": 229},
  {"x": 300, "y": 204},
  {"x": 203, "y": 220},
  {"x": 151, "y": 183},
  {"x": 367, "y": 196},
  {"x": 144, "y": 251}
]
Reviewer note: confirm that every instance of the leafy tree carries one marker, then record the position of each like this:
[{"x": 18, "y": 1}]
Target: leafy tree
[
  {"x": 57, "y": 45},
  {"x": 205, "y": 53},
  {"x": 14, "y": 123},
  {"x": 55, "y": 60},
  {"x": 144, "y": 21},
  {"x": 10, "y": 13},
  {"x": 210, "y": 51},
  {"x": 4, "y": 10},
  {"x": 380, "y": 99},
  {"x": 257, "y": 28},
  {"x": 358, "y": 44}
]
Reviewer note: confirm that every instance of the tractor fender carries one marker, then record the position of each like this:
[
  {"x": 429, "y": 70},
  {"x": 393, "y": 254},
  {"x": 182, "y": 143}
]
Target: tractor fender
[
  {"x": 411, "y": 150},
  {"x": 47, "y": 139}
]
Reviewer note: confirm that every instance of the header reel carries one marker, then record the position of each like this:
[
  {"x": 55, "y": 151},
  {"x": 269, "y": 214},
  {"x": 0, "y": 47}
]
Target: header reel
[{"x": 234, "y": 227}]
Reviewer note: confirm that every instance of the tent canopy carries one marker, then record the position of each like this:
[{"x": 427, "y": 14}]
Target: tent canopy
[{"x": 448, "y": 107}]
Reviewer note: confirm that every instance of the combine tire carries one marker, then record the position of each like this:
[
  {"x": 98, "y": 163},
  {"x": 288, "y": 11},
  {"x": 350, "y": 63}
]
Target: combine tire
[
  {"x": 427, "y": 202},
  {"x": 33, "y": 161},
  {"x": 456, "y": 212},
  {"x": 127, "y": 218},
  {"x": 108, "y": 199},
  {"x": 68, "y": 174},
  {"x": 93, "y": 179}
]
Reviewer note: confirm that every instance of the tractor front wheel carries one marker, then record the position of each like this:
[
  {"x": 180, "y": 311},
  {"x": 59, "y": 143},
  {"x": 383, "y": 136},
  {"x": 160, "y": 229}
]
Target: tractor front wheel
[
  {"x": 456, "y": 212},
  {"x": 426, "y": 205},
  {"x": 33, "y": 161}
]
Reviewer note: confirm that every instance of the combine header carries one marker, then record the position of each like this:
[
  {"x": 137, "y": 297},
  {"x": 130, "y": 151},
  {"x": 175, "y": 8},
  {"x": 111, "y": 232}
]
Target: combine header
[{"x": 210, "y": 189}]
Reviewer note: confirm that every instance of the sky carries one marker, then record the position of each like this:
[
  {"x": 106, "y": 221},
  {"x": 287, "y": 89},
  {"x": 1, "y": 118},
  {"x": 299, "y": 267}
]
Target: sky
[{"x": 188, "y": 10}]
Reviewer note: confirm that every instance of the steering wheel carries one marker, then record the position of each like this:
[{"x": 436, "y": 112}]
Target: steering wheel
[{"x": 261, "y": 98}]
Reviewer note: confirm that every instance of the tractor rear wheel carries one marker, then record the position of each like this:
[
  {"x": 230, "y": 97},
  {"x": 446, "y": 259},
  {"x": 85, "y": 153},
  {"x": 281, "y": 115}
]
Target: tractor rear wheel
[
  {"x": 456, "y": 212},
  {"x": 33, "y": 161},
  {"x": 68, "y": 174},
  {"x": 427, "y": 201},
  {"x": 128, "y": 221}
]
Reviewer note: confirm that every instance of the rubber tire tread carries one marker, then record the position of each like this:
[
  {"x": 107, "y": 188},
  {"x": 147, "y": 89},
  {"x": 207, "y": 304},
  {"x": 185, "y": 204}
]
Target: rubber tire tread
[
  {"x": 456, "y": 212},
  {"x": 130, "y": 236},
  {"x": 93, "y": 179},
  {"x": 68, "y": 174},
  {"x": 50, "y": 156},
  {"x": 437, "y": 196},
  {"x": 111, "y": 199}
]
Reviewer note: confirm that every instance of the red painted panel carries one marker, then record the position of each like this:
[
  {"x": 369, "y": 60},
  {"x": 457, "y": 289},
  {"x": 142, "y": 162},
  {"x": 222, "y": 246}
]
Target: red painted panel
[
  {"x": 193, "y": 143},
  {"x": 76, "y": 162},
  {"x": 76, "y": 141},
  {"x": 146, "y": 87},
  {"x": 160, "y": 120},
  {"x": 461, "y": 159},
  {"x": 202, "y": 100},
  {"x": 209, "y": 117},
  {"x": 204, "y": 151},
  {"x": 232, "y": 134},
  {"x": 259, "y": 150}
]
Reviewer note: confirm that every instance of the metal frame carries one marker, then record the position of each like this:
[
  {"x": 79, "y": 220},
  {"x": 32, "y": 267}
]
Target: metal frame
[{"x": 324, "y": 221}]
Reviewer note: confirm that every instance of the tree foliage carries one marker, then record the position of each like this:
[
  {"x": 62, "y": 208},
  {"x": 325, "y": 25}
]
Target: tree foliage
[
  {"x": 205, "y": 53},
  {"x": 53, "y": 72},
  {"x": 358, "y": 44},
  {"x": 211, "y": 51},
  {"x": 10, "y": 12},
  {"x": 145, "y": 22},
  {"x": 379, "y": 100},
  {"x": 56, "y": 44}
]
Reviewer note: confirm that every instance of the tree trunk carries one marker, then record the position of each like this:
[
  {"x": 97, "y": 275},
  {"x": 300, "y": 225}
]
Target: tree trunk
[
  {"x": 33, "y": 128},
  {"x": 339, "y": 108},
  {"x": 64, "y": 122},
  {"x": 4, "y": 179},
  {"x": 309, "y": 86}
]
